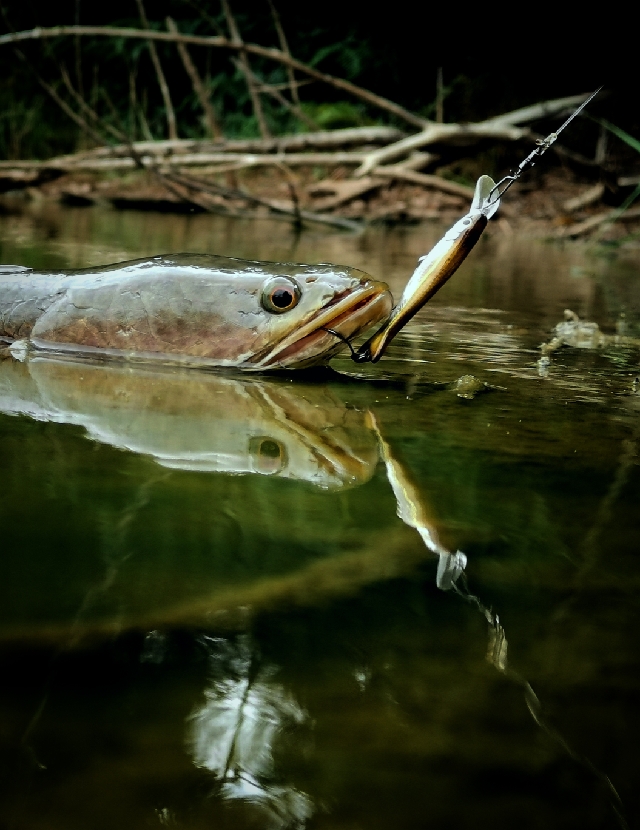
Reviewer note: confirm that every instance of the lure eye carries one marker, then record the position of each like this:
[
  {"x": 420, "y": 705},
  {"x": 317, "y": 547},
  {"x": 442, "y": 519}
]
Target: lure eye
[{"x": 280, "y": 294}]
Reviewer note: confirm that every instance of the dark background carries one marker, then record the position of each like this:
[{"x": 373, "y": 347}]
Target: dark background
[{"x": 491, "y": 63}]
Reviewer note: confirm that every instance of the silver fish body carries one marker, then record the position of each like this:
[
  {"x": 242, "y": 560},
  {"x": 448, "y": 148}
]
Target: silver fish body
[{"x": 193, "y": 309}]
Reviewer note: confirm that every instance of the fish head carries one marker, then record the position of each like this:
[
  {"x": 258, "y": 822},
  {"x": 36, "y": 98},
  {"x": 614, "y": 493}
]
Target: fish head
[{"x": 304, "y": 307}]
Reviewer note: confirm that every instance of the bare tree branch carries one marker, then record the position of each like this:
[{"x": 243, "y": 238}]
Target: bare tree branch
[
  {"x": 284, "y": 46},
  {"x": 441, "y": 134},
  {"x": 213, "y": 128},
  {"x": 279, "y": 97},
  {"x": 162, "y": 81},
  {"x": 246, "y": 71},
  {"x": 78, "y": 119},
  {"x": 222, "y": 43},
  {"x": 84, "y": 107}
]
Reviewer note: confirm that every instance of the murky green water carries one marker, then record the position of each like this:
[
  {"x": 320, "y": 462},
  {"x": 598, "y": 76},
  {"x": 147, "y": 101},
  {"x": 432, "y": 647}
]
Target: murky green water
[{"x": 212, "y": 615}]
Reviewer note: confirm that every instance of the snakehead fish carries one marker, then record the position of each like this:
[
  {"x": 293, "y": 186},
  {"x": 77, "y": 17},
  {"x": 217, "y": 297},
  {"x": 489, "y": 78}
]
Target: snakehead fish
[{"x": 193, "y": 308}]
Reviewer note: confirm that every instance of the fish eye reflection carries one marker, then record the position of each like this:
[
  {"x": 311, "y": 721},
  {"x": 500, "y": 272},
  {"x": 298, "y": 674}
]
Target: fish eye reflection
[{"x": 268, "y": 456}]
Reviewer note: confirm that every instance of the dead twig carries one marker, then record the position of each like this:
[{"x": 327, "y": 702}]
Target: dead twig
[
  {"x": 284, "y": 46},
  {"x": 162, "y": 81},
  {"x": 213, "y": 128},
  {"x": 292, "y": 185},
  {"x": 78, "y": 119},
  {"x": 260, "y": 86},
  {"x": 84, "y": 107},
  {"x": 295, "y": 212},
  {"x": 588, "y": 197},
  {"x": 246, "y": 71},
  {"x": 582, "y": 228}
]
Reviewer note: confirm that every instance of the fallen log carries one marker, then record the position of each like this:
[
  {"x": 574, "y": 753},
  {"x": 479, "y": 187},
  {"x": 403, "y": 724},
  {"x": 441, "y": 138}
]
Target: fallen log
[
  {"x": 586, "y": 198},
  {"x": 451, "y": 134},
  {"x": 500, "y": 127},
  {"x": 321, "y": 140},
  {"x": 190, "y": 160}
]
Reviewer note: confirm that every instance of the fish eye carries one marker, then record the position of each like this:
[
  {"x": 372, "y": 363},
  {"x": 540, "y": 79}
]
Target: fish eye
[
  {"x": 268, "y": 455},
  {"x": 280, "y": 294}
]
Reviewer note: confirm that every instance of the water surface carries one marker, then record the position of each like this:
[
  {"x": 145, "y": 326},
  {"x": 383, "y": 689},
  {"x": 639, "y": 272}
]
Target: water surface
[{"x": 239, "y": 602}]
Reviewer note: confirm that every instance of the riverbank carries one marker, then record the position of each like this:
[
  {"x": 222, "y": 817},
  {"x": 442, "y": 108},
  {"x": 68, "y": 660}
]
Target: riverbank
[{"x": 558, "y": 204}]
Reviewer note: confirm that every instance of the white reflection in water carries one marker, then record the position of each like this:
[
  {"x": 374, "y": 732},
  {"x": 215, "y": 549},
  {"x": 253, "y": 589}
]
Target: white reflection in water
[{"x": 234, "y": 732}]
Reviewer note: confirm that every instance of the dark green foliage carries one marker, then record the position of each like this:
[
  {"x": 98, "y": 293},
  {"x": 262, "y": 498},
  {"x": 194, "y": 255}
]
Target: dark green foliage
[{"x": 389, "y": 51}]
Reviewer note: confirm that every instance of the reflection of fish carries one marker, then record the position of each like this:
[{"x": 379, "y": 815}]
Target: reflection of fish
[
  {"x": 436, "y": 267},
  {"x": 130, "y": 546},
  {"x": 193, "y": 308},
  {"x": 197, "y": 421}
]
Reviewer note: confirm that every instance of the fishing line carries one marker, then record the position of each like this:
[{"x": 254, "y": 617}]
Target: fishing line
[{"x": 543, "y": 145}]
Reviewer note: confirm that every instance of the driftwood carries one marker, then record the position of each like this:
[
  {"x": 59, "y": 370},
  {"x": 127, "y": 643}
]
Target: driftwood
[
  {"x": 588, "y": 197},
  {"x": 339, "y": 192},
  {"x": 545, "y": 109},
  {"x": 323, "y": 140},
  {"x": 188, "y": 160},
  {"x": 401, "y": 173},
  {"x": 457, "y": 134},
  {"x": 171, "y": 160},
  {"x": 501, "y": 127},
  {"x": 628, "y": 181},
  {"x": 348, "y": 189},
  {"x": 582, "y": 228}
]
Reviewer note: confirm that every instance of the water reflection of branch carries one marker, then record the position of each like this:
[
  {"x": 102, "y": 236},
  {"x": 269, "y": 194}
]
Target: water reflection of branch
[
  {"x": 115, "y": 552},
  {"x": 497, "y": 656},
  {"x": 233, "y": 733},
  {"x": 113, "y": 561}
]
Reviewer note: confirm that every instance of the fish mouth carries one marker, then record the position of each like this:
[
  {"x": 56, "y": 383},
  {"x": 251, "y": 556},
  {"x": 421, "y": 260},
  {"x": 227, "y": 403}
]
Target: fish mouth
[{"x": 367, "y": 305}]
